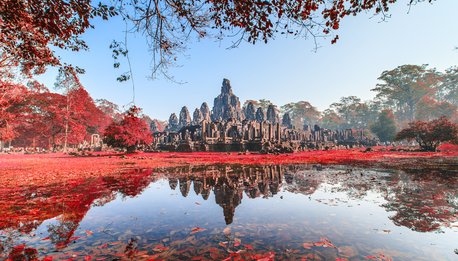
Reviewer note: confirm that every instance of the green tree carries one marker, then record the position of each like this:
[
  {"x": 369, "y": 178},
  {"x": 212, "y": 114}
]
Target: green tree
[
  {"x": 301, "y": 113},
  {"x": 353, "y": 112},
  {"x": 429, "y": 108},
  {"x": 385, "y": 126},
  {"x": 448, "y": 91},
  {"x": 331, "y": 120},
  {"x": 404, "y": 87}
]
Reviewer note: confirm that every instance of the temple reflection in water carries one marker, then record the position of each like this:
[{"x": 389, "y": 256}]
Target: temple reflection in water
[{"x": 228, "y": 183}]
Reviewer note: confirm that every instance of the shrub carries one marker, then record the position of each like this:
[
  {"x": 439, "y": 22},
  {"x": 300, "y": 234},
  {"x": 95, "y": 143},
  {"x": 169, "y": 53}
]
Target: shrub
[{"x": 429, "y": 135}]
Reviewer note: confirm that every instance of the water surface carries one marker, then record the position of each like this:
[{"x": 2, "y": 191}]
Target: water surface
[{"x": 237, "y": 212}]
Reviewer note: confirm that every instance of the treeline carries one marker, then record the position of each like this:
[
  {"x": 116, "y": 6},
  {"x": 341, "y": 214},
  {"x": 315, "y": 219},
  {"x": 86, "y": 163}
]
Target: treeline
[
  {"x": 405, "y": 94},
  {"x": 33, "y": 116}
]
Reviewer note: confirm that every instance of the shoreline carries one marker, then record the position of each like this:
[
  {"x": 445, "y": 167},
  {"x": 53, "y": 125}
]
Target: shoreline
[{"x": 46, "y": 169}]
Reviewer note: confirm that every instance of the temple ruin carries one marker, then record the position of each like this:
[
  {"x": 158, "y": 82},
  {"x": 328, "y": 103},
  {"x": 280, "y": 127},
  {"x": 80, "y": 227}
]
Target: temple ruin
[{"x": 228, "y": 127}]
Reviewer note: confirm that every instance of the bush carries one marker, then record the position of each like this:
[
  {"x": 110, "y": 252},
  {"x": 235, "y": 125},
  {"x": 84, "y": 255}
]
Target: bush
[
  {"x": 130, "y": 132},
  {"x": 429, "y": 135}
]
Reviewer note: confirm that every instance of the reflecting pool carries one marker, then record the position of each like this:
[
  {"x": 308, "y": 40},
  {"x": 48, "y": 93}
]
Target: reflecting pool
[{"x": 236, "y": 212}]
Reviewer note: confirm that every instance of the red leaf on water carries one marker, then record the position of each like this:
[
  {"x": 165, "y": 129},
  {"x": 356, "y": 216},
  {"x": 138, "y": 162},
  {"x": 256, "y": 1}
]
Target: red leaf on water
[
  {"x": 197, "y": 229},
  {"x": 89, "y": 232},
  {"x": 160, "y": 248},
  {"x": 307, "y": 245},
  {"x": 237, "y": 242},
  {"x": 227, "y": 231},
  {"x": 103, "y": 246},
  {"x": 249, "y": 247},
  {"x": 267, "y": 257}
]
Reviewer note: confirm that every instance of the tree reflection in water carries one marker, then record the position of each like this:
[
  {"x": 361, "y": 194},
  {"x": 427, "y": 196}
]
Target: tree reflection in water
[{"x": 422, "y": 201}]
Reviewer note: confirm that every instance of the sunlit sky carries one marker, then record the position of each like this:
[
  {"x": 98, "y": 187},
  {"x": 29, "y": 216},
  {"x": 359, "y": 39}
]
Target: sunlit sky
[{"x": 284, "y": 70}]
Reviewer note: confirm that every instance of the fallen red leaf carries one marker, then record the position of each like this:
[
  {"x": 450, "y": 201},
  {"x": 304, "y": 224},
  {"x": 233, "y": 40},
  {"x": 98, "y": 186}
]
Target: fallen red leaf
[
  {"x": 248, "y": 247},
  {"x": 197, "y": 229}
]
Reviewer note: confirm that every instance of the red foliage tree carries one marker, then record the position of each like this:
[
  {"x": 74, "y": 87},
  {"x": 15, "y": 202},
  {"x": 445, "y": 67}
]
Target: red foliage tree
[
  {"x": 12, "y": 97},
  {"x": 49, "y": 119},
  {"x": 131, "y": 132},
  {"x": 429, "y": 135}
]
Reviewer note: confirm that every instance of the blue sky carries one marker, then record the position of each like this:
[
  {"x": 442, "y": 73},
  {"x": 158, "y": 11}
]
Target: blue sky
[{"x": 284, "y": 70}]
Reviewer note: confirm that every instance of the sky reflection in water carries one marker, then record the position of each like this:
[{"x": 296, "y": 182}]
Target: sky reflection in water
[{"x": 254, "y": 212}]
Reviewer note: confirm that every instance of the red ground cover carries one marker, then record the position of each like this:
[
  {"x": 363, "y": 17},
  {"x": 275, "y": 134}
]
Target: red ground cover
[
  {"x": 76, "y": 182},
  {"x": 45, "y": 169}
]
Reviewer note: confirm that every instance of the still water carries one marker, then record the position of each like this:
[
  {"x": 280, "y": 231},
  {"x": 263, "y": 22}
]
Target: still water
[{"x": 237, "y": 212}]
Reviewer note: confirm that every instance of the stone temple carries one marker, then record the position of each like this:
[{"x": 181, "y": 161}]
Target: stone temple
[{"x": 228, "y": 127}]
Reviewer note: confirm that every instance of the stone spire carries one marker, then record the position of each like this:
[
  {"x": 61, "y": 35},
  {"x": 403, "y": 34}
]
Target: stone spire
[
  {"x": 250, "y": 113},
  {"x": 260, "y": 116},
  {"x": 197, "y": 117},
  {"x": 173, "y": 122},
  {"x": 286, "y": 121},
  {"x": 185, "y": 117},
  {"x": 271, "y": 115},
  {"x": 153, "y": 126},
  {"x": 226, "y": 87},
  {"x": 205, "y": 110},
  {"x": 226, "y": 105}
]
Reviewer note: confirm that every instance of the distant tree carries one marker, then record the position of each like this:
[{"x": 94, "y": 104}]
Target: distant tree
[
  {"x": 262, "y": 103},
  {"x": 385, "y": 126},
  {"x": 353, "y": 112},
  {"x": 429, "y": 108},
  {"x": 429, "y": 135},
  {"x": 301, "y": 112},
  {"x": 448, "y": 90},
  {"x": 130, "y": 133},
  {"x": 67, "y": 80},
  {"x": 331, "y": 120},
  {"x": 404, "y": 87},
  {"x": 109, "y": 108}
]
